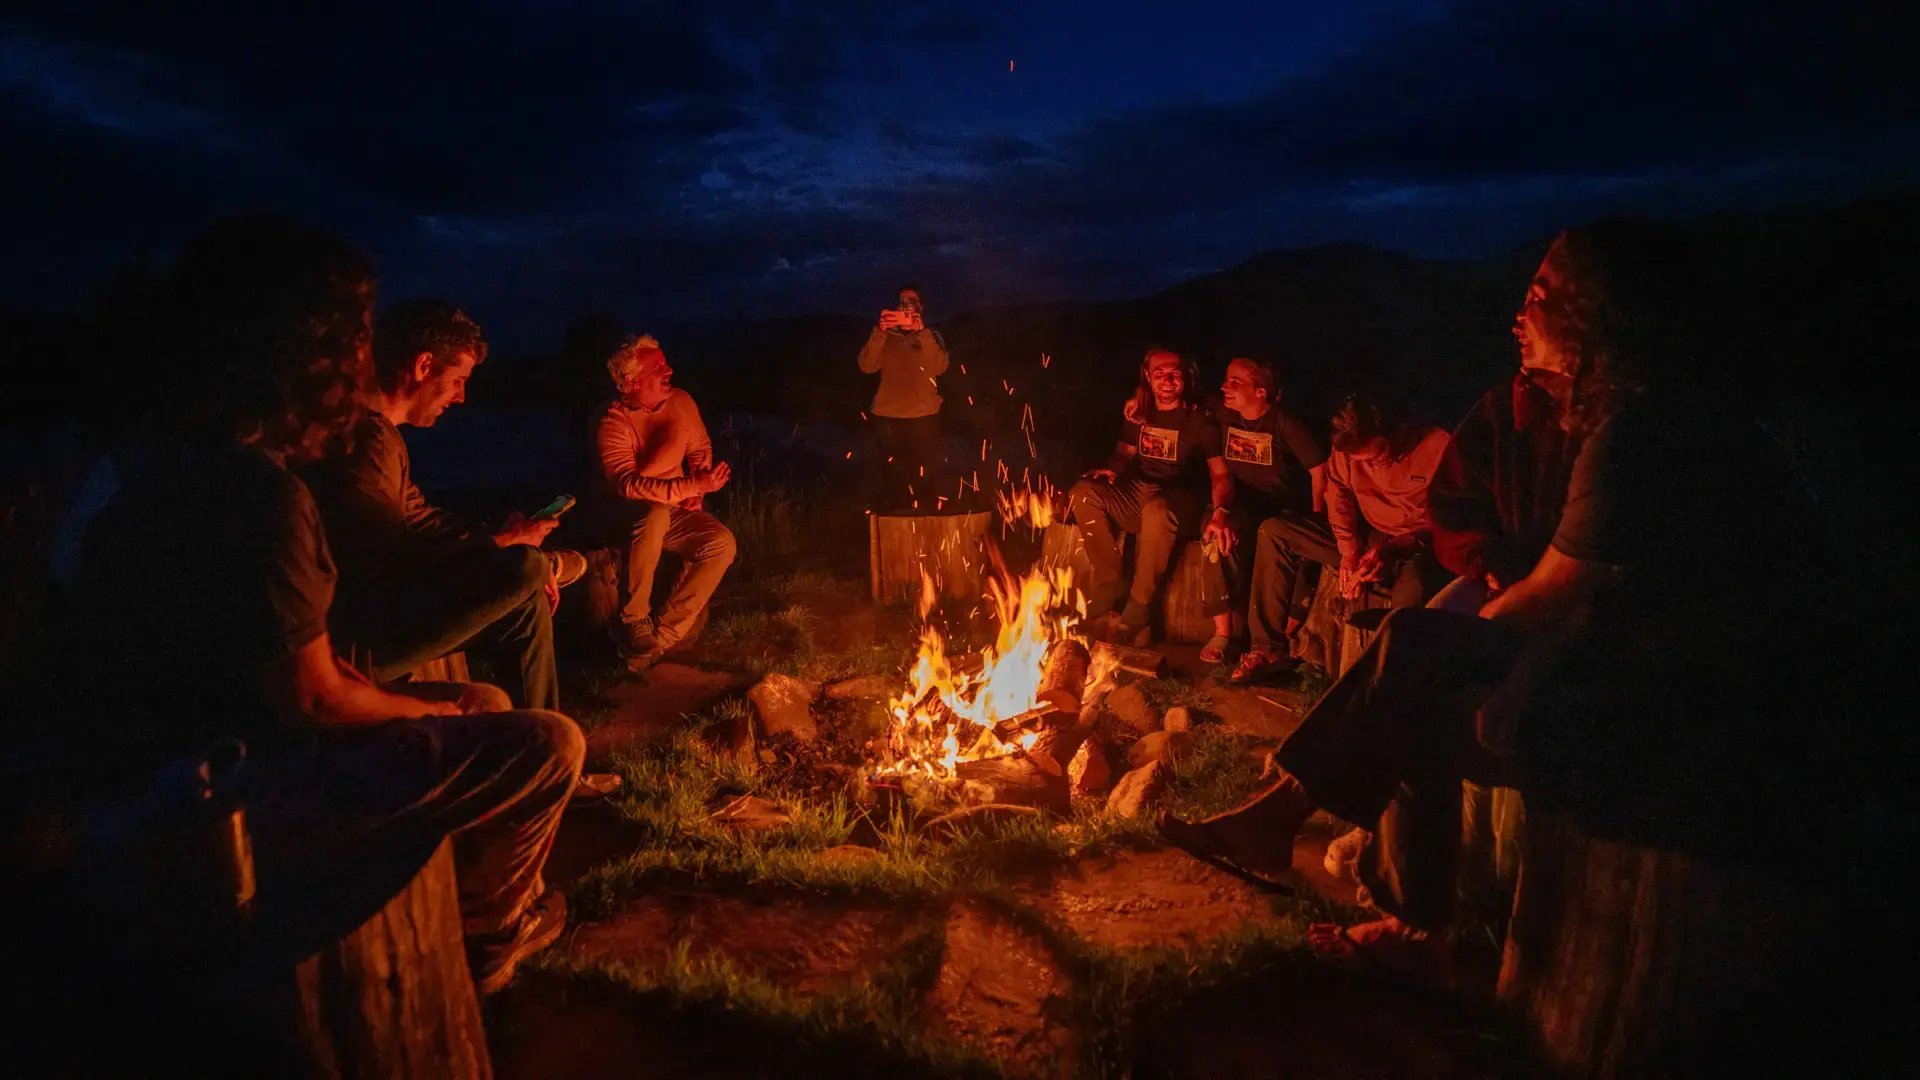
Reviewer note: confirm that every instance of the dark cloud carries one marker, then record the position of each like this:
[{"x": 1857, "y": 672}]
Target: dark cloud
[{"x": 773, "y": 155}]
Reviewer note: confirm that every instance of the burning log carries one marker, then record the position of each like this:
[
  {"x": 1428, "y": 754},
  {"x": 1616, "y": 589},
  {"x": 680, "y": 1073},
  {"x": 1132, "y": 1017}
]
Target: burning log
[{"x": 1064, "y": 677}]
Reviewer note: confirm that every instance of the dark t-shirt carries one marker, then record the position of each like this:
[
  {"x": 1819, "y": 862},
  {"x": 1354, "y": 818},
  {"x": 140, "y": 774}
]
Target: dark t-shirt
[
  {"x": 1700, "y": 665},
  {"x": 1173, "y": 446},
  {"x": 209, "y": 569},
  {"x": 1268, "y": 458}
]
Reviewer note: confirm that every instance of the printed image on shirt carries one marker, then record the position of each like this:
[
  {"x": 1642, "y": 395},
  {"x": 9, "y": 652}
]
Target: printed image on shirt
[
  {"x": 1160, "y": 444},
  {"x": 1250, "y": 447}
]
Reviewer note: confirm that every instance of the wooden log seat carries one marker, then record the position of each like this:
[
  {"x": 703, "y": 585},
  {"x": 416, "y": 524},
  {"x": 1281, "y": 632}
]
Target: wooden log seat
[
  {"x": 1629, "y": 961},
  {"x": 603, "y": 590},
  {"x": 950, "y": 549},
  {"x": 449, "y": 668},
  {"x": 1326, "y": 640}
]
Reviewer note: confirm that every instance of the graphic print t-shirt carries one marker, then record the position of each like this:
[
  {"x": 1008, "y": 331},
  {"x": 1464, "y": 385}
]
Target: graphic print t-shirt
[
  {"x": 1173, "y": 445},
  {"x": 1268, "y": 458}
]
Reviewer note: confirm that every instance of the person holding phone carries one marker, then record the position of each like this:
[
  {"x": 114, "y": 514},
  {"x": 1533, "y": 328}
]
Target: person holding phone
[
  {"x": 656, "y": 470},
  {"x": 417, "y": 582},
  {"x": 909, "y": 358}
]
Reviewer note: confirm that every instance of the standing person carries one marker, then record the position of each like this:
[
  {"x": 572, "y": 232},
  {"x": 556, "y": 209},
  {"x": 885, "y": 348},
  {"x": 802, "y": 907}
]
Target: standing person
[
  {"x": 1162, "y": 468},
  {"x": 909, "y": 358},
  {"x": 417, "y": 582},
  {"x": 204, "y": 596},
  {"x": 656, "y": 470}
]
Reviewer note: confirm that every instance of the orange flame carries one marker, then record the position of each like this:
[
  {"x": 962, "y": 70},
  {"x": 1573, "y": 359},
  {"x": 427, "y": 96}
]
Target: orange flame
[
  {"x": 946, "y": 717},
  {"x": 1027, "y": 503}
]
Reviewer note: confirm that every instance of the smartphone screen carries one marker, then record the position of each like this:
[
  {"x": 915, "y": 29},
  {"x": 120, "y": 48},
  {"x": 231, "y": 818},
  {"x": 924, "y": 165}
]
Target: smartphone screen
[{"x": 554, "y": 509}]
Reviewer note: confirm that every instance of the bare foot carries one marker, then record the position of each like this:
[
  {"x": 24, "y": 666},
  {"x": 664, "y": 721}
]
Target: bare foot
[{"x": 1388, "y": 948}]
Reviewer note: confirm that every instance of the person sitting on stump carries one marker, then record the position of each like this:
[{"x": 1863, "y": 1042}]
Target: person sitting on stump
[
  {"x": 656, "y": 469},
  {"x": 1376, "y": 494},
  {"x": 1271, "y": 455},
  {"x": 204, "y": 595},
  {"x": 1496, "y": 499},
  {"x": 1630, "y": 683},
  {"x": 417, "y": 582},
  {"x": 1163, "y": 466},
  {"x": 909, "y": 358}
]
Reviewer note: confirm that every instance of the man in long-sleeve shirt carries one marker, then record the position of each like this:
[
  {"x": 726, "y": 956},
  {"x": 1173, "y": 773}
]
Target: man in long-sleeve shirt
[
  {"x": 656, "y": 466},
  {"x": 417, "y": 582}
]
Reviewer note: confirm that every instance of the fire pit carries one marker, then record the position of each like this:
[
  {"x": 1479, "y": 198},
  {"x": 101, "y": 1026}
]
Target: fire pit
[{"x": 1002, "y": 732}]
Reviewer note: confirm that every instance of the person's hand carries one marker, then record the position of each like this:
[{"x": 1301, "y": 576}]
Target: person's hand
[
  {"x": 1103, "y": 473},
  {"x": 1494, "y": 585},
  {"x": 1350, "y": 582},
  {"x": 1218, "y": 534},
  {"x": 693, "y": 502},
  {"x": 712, "y": 478},
  {"x": 440, "y": 708},
  {"x": 891, "y": 319},
  {"x": 1132, "y": 412},
  {"x": 1371, "y": 565},
  {"x": 520, "y": 529},
  {"x": 552, "y": 589},
  {"x": 913, "y": 322}
]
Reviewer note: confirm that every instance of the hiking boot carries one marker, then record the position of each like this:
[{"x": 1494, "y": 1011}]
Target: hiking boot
[
  {"x": 567, "y": 566},
  {"x": 493, "y": 958},
  {"x": 639, "y": 663}
]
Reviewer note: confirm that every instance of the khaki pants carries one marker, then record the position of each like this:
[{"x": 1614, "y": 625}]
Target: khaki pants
[
  {"x": 497, "y": 782},
  {"x": 695, "y": 535},
  {"x": 1157, "y": 515}
]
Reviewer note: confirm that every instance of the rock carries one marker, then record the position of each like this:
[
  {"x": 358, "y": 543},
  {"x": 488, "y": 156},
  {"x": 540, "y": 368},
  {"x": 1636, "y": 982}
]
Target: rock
[
  {"x": 751, "y": 812},
  {"x": 1178, "y": 719},
  {"x": 1089, "y": 773},
  {"x": 782, "y": 701},
  {"x": 1138, "y": 788},
  {"x": 732, "y": 738},
  {"x": 1014, "y": 780},
  {"x": 866, "y": 686},
  {"x": 1129, "y": 704},
  {"x": 1163, "y": 746},
  {"x": 971, "y": 818}
]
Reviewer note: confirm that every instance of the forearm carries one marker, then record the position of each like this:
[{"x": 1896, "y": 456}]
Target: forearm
[
  {"x": 872, "y": 351},
  {"x": 1220, "y": 488},
  {"x": 656, "y": 489},
  {"x": 1343, "y": 518},
  {"x": 1318, "y": 477}
]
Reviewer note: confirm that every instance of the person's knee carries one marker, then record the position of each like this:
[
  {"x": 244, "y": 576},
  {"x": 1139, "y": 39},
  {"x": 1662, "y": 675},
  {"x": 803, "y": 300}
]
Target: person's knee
[
  {"x": 1083, "y": 496},
  {"x": 719, "y": 546},
  {"x": 561, "y": 737},
  {"x": 529, "y": 566},
  {"x": 1272, "y": 533},
  {"x": 488, "y": 698}
]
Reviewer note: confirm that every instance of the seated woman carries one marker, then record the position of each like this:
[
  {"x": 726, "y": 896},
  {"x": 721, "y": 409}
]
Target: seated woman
[{"x": 1632, "y": 682}]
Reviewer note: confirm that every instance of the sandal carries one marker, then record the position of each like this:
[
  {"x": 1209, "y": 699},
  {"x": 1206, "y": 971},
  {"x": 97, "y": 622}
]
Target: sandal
[
  {"x": 1215, "y": 650},
  {"x": 1255, "y": 664},
  {"x": 1383, "y": 951}
]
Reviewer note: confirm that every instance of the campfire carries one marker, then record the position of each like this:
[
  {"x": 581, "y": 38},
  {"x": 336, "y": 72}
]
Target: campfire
[{"x": 1014, "y": 716}]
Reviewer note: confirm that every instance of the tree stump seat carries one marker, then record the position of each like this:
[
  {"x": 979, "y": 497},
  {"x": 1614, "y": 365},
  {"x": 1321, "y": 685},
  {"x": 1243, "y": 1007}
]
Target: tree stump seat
[
  {"x": 604, "y": 586},
  {"x": 1326, "y": 640},
  {"x": 950, "y": 550},
  {"x": 449, "y": 668},
  {"x": 1623, "y": 960}
]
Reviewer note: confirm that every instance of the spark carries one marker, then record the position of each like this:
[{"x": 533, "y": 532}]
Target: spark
[{"x": 1045, "y": 359}]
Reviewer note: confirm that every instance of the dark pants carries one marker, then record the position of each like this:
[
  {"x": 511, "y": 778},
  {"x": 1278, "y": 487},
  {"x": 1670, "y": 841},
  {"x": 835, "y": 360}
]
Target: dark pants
[
  {"x": 488, "y": 601},
  {"x": 1388, "y": 746},
  {"x": 1279, "y": 557},
  {"x": 497, "y": 782},
  {"x": 1288, "y": 543},
  {"x": 1159, "y": 516},
  {"x": 910, "y": 468}
]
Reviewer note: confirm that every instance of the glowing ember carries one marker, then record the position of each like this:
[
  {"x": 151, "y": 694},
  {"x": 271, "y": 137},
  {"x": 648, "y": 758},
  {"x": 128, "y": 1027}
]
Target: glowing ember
[
  {"x": 1027, "y": 504},
  {"x": 947, "y": 717}
]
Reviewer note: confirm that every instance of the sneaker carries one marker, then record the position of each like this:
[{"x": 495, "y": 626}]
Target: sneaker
[
  {"x": 640, "y": 662},
  {"x": 494, "y": 958},
  {"x": 633, "y": 638},
  {"x": 567, "y": 566}
]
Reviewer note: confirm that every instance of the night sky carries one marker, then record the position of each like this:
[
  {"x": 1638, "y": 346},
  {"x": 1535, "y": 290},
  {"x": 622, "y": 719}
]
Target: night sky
[{"x": 739, "y": 158}]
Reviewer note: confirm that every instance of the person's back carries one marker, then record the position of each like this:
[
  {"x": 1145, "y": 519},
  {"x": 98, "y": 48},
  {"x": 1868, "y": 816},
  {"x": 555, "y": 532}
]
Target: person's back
[{"x": 207, "y": 570}]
